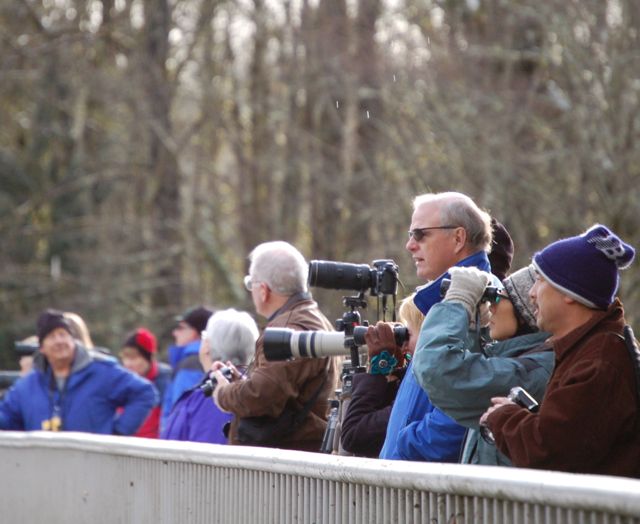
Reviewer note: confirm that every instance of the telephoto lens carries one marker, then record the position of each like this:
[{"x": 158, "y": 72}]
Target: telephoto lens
[
  {"x": 286, "y": 343},
  {"x": 340, "y": 275}
]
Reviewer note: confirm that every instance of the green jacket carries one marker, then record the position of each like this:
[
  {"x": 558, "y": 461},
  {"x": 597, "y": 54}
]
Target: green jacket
[{"x": 461, "y": 382}]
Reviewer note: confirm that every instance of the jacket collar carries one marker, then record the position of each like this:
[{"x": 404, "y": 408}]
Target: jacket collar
[
  {"x": 429, "y": 294},
  {"x": 81, "y": 359},
  {"x": 614, "y": 315},
  {"x": 291, "y": 303}
]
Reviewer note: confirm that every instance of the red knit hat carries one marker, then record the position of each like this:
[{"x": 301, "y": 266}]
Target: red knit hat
[{"x": 143, "y": 340}]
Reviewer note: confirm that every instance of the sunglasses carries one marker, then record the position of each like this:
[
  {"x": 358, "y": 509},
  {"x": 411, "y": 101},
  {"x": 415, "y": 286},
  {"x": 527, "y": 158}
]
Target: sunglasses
[
  {"x": 495, "y": 299},
  {"x": 420, "y": 232}
]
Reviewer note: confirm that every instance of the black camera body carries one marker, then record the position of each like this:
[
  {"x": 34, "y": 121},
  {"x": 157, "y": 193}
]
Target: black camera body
[
  {"x": 25, "y": 349},
  {"x": 490, "y": 292},
  {"x": 381, "y": 278},
  {"x": 210, "y": 384}
]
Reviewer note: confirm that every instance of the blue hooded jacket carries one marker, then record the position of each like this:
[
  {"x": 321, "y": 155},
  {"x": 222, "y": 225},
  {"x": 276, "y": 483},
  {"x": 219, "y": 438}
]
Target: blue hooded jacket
[
  {"x": 418, "y": 430},
  {"x": 187, "y": 372},
  {"x": 93, "y": 392}
]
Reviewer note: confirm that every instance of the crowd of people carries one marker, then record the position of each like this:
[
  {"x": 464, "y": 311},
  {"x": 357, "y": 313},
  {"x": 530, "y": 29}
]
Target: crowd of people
[{"x": 553, "y": 331}]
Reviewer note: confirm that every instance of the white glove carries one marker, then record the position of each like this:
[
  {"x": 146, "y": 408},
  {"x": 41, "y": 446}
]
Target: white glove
[{"x": 467, "y": 286}]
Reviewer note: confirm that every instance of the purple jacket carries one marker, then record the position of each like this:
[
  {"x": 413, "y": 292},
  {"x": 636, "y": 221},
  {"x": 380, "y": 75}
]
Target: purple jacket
[{"x": 196, "y": 418}]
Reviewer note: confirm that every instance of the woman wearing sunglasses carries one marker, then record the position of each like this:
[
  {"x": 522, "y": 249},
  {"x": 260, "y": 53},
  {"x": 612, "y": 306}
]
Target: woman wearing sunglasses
[{"x": 461, "y": 382}]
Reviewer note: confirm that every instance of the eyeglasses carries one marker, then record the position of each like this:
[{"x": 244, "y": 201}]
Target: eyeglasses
[
  {"x": 420, "y": 232},
  {"x": 248, "y": 283}
]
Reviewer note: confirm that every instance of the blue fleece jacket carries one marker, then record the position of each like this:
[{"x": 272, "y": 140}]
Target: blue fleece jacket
[
  {"x": 418, "y": 430},
  {"x": 88, "y": 402}
]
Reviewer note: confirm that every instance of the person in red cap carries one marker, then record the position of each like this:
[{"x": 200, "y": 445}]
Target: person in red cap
[{"x": 138, "y": 355}]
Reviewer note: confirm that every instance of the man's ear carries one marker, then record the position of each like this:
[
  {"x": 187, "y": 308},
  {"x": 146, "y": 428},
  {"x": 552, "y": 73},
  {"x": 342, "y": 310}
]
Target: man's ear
[
  {"x": 460, "y": 238},
  {"x": 264, "y": 292}
]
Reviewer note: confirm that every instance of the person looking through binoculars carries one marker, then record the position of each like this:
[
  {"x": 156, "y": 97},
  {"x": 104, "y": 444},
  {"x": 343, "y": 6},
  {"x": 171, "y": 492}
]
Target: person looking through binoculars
[{"x": 460, "y": 380}]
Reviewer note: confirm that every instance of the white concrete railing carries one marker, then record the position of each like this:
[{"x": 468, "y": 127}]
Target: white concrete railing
[{"x": 79, "y": 478}]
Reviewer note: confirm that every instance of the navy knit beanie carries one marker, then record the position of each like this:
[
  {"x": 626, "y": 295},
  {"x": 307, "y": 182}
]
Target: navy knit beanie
[
  {"x": 49, "y": 320},
  {"x": 586, "y": 267}
]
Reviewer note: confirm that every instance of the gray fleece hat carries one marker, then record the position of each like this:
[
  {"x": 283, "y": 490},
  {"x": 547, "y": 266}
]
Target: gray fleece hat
[{"x": 518, "y": 285}]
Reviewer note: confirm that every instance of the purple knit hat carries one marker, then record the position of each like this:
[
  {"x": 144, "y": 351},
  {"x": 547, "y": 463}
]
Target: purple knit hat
[{"x": 586, "y": 267}]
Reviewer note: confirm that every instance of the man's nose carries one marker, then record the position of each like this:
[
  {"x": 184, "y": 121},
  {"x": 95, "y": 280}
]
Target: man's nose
[{"x": 411, "y": 244}]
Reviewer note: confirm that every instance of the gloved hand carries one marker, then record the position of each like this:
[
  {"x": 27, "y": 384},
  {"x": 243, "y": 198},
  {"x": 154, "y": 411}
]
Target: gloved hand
[
  {"x": 380, "y": 338},
  {"x": 484, "y": 312},
  {"x": 467, "y": 286}
]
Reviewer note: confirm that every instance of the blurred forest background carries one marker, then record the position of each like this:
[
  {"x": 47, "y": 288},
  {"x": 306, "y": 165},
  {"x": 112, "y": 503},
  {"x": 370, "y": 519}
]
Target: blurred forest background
[{"x": 147, "y": 145}]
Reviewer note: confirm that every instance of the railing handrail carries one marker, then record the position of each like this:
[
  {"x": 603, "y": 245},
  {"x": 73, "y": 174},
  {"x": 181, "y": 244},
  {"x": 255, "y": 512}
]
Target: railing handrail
[{"x": 588, "y": 492}]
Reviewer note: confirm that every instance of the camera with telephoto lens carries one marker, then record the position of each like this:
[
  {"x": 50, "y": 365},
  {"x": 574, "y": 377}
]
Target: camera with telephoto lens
[
  {"x": 518, "y": 396},
  {"x": 490, "y": 294},
  {"x": 210, "y": 384},
  {"x": 381, "y": 278},
  {"x": 285, "y": 343}
]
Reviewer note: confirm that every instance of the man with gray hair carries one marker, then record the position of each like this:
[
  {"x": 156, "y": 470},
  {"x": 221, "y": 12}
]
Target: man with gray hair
[
  {"x": 447, "y": 229},
  {"x": 277, "y": 281}
]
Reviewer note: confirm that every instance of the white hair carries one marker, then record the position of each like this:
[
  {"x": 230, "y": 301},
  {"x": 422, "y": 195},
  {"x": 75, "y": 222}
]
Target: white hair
[
  {"x": 279, "y": 265},
  {"x": 232, "y": 336},
  {"x": 457, "y": 209}
]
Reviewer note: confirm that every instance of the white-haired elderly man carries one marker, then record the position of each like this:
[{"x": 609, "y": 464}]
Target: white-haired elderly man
[{"x": 277, "y": 281}]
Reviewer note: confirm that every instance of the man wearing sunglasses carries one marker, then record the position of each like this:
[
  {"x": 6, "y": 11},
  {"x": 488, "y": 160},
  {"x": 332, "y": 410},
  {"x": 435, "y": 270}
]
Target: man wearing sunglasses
[{"x": 447, "y": 229}]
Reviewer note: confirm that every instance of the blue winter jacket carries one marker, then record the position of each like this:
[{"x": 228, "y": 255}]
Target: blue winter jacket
[
  {"x": 92, "y": 393},
  {"x": 461, "y": 381},
  {"x": 418, "y": 430},
  {"x": 187, "y": 372}
]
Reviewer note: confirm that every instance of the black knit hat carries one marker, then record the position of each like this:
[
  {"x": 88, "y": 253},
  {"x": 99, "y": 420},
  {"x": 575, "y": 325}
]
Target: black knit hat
[
  {"x": 501, "y": 253},
  {"x": 196, "y": 317},
  {"x": 49, "y": 320}
]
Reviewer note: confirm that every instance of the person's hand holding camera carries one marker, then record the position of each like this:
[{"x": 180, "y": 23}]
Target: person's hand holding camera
[
  {"x": 221, "y": 380},
  {"x": 384, "y": 353},
  {"x": 467, "y": 287}
]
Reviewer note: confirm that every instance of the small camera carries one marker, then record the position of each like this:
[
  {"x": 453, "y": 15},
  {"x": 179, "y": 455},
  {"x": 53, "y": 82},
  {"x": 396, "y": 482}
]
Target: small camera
[
  {"x": 25, "y": 348},
  {"x": 518, "y": 396},
  {"x": 210, "y": 384},
  {"x": 523, "y": 399},
  {"x": 490, "y": 294}
]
